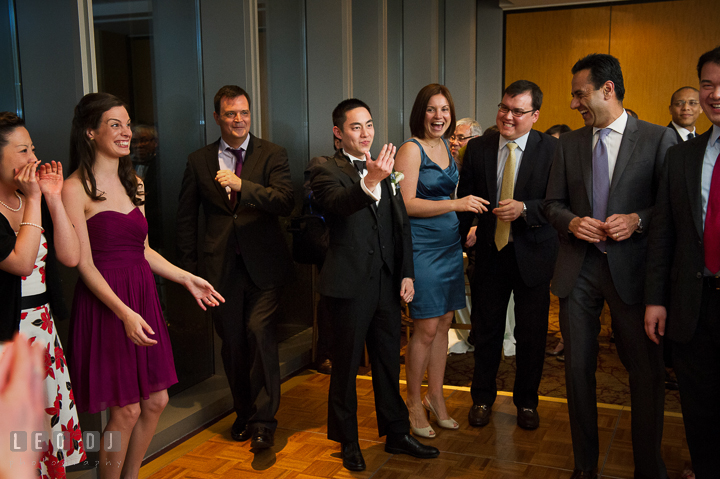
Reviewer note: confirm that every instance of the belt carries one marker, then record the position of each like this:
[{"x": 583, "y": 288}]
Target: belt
[
  {"x": 31, "y": 302},
  {"x": 712, "y": 282}
]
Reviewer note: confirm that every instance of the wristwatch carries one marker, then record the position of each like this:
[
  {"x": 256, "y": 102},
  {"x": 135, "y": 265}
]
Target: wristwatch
[
  {"x": 639, "y": 226},
  {"x": 524, "y": 211}
]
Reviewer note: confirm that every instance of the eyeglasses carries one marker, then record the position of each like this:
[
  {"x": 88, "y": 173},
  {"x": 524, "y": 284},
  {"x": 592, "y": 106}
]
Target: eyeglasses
[
  {"x": 681, "y": 103},
  {"x": 516, "y": 112},
  {"x": 461, "y": 138}
]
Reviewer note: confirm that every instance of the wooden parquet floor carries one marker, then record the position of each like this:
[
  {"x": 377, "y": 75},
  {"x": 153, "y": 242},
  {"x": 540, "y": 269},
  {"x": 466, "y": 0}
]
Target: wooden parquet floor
[{"x": 500, "y": 450}]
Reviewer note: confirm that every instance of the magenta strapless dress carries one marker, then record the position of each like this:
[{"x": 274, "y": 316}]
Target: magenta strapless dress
[{"x": 106, "y": 368}]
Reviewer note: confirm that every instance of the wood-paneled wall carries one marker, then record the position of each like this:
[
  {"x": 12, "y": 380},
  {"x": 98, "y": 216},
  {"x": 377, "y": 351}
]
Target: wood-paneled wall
[{"x": 658, "y": 45}]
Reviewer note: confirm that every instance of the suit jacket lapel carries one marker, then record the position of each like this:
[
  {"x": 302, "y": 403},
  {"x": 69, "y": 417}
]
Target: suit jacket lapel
[
  {"x": 693, "y": 178},
  {"x": 585, "y": 155},
  {"x": 629, "y": 140},
  {"x": 213, "y": 165},
  {"x": 252, "y": 157},
  {"x": 527, "y": 163},
  {"x": 347, "y": 167},
  {"x": 491, "y": 169}
]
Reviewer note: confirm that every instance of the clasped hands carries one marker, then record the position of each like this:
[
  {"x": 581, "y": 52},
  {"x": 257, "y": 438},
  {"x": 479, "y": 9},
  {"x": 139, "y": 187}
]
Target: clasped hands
[{"x": 617, "y": 227}]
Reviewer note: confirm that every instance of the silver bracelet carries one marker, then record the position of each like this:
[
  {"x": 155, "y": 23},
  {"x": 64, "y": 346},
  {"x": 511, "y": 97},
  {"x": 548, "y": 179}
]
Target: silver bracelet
[{"x": 42, "y": 230}]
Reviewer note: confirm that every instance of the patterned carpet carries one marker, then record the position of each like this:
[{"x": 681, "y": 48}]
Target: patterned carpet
[{"x": 612, "y": 379}]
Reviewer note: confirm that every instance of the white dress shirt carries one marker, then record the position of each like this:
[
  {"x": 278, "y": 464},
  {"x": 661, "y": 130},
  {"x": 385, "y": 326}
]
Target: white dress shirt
[{"x": 684, "y": 132}]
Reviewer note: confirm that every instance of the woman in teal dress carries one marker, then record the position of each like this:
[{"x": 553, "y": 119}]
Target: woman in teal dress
[{"x": 430, "y": 177}]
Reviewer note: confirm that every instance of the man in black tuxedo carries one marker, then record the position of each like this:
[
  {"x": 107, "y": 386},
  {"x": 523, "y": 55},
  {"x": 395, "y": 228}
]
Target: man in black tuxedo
[
  {"x": 516, "y": 247},
  {"x": 600, "y": 196},
  {"x": 367, "y": 270},
  {"x": 685, "y": 110},
  {"x": 243, "y": 184},
  {"x": 682, "y": 288}
]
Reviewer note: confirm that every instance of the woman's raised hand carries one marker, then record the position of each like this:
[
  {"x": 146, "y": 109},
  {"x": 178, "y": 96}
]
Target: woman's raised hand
[
  {"x": 26, "y": 180},
  {"x": 50, "y": 178}
]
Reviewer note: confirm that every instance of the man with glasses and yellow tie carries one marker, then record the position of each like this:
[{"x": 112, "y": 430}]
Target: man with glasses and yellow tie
[
  {"x": 685, "y": 110},
  {"x": 516, "y": 248}
]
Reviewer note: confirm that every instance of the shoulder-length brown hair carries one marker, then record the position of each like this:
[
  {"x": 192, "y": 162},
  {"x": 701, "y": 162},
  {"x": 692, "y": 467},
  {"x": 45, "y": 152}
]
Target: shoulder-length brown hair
[
  {"x": 417, "y": 115},
  {"x": 88, "y": 114}
]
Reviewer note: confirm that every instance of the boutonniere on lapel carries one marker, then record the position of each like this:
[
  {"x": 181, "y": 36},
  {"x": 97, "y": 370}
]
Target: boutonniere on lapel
[{"x": 395, "y": 178}]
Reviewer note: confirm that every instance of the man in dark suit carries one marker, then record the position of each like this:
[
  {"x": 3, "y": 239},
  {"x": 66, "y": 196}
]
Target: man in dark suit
[
  {"x": 600, "y": 196},
  {"x": 243, "y": 184},
  {"x": 367, "y": 270},
  {"x": 682, "y": 288},
  {"x": 685, "y": 110},
  {"x": 516, "y": 247}
]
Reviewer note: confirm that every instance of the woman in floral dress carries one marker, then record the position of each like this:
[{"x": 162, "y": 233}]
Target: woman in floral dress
[{"x": 29, "y": 229}]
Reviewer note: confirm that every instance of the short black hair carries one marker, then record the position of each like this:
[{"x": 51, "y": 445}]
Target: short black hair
[
  {"x": 339, "y": 114},
  {"x": 523, "y": 86},
  {"x": 9, "y": 121},
  {"x": 229, "y": 91},
  {"x": 711, "y": 56},
  {"x": 681, "y": 89},
  {"x": 602, "y": 68},
  {"x": 559, "y": 129}
]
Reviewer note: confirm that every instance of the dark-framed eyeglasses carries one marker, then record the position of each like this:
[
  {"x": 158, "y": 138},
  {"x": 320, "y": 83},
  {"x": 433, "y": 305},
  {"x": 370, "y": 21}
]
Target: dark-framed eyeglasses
[
  {"x": 461, "y": 138},
  {"x": 516, "y": 112}
]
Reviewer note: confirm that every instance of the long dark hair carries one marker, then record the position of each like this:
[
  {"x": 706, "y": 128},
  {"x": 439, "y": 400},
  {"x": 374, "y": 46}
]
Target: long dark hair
[{"x": 88, "y": 114}]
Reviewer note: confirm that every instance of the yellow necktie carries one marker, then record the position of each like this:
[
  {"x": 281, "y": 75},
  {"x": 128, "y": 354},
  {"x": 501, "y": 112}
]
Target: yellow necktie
[{"x": 502, "y": 228}]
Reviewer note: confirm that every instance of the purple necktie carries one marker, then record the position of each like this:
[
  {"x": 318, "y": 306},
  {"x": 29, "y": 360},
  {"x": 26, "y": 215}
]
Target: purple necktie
[
  {"x": 601, "y": 181},
  {"x": 238, "y": 154}
]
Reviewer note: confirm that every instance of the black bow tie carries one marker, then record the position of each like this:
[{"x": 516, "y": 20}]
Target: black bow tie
[{"x": 360, "y": 165}]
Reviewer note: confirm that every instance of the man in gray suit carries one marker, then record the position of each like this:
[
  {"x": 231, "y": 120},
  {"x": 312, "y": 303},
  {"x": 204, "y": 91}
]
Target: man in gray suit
[{"x": 600, "y": 198}]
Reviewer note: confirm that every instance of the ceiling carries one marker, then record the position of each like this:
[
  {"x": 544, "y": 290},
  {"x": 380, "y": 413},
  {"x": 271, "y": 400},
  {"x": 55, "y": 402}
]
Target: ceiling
[{"x": 523, "y": 4}]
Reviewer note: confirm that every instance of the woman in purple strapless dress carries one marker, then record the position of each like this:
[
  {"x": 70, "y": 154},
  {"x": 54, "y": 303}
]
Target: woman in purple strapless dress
[{"x": 119, "y": 350}]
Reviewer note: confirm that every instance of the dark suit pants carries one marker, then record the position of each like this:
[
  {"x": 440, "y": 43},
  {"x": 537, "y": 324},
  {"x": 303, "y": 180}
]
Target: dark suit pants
[
  {"x": 492, "y": 284},
  {"x": 697, "y": 365},
  {"x": 246, "y": 324},
  {"x": 580, "y": 327},
  {"x": 372, "y": 318}
]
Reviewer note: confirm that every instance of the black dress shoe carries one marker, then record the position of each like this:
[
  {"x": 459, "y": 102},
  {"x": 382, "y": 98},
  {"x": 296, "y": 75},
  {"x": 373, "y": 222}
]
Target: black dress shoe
[
  {"x": 406, "y": 444},
  {"x": 578, "y": 474},
  {"x": 325, "y": 367},
  {"x": 527, "y": 418},
  {"x": 263, "y": 438},
  {"x": 239, "y": 431},
  {"x": 352, "y": 456},
  {"x": 479, "y": 415}
]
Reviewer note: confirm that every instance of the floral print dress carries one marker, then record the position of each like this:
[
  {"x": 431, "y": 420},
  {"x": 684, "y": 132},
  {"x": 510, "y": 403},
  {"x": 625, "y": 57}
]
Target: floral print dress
[{"x": 61, "y": 414}]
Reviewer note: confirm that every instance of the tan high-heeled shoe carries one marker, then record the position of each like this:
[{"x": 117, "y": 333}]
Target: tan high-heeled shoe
[
  {"x": 427, "y": 432},
  {"x": 443, "y": 423}
]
